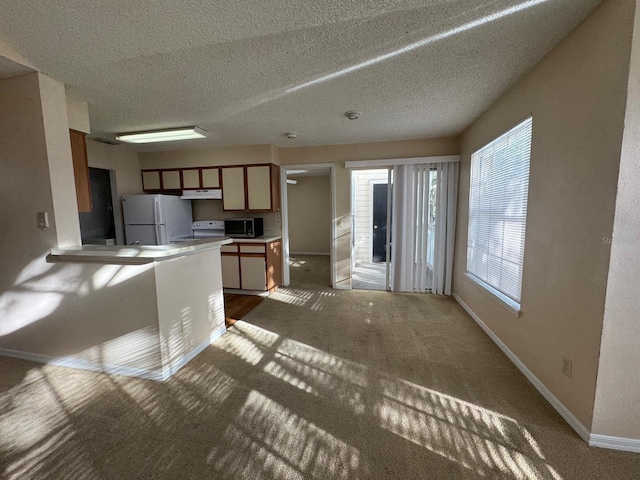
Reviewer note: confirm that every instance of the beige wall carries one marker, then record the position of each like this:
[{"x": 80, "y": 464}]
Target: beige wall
[
  {"x": 617, "y": 405},
  {"x": 339, "y": 154},
  {"x": 25, "y": 187},
  {"x": 126, "y": 165},
  {"x": 78, "y": 115},
  {"x": 577, "y": 97},
  {"x": 8, "y": 52},
  {"x": 125, "y": 162},
  {"x": 58, "y": 145},
  {"x": 37, "y": 176},
  {"x": 199, "y": 157},
  {"x": 310, "y": 215}
]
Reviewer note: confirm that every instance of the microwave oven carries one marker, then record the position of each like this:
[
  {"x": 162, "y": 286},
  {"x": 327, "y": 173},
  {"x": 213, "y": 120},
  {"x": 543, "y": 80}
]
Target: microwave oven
[{"x": 243, "y": 227}]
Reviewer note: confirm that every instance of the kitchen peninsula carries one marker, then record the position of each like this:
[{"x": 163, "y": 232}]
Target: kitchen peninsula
[{"x": 141, "y": 311}]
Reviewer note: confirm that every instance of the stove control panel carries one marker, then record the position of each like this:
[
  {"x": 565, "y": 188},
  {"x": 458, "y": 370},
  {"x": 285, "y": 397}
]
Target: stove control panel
[{"x": 208, "y": 225}]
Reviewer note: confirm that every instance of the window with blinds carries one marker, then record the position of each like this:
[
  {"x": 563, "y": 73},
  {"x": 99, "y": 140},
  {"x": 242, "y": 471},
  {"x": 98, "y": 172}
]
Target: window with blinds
[{"x": 498, "y": 213}]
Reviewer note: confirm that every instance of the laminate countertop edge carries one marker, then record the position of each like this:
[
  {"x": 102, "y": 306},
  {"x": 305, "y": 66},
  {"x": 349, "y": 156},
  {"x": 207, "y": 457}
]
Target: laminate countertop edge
[
  {"x": 257, "y": 240},
  {"x": 132, "y": 254}
]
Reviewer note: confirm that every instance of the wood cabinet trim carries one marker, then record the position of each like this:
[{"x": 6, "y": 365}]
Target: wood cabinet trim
[
  {"x": 80, "y": 163},
  {"x": 246, "y": 188},
  {"x": 274, "y": 181}
]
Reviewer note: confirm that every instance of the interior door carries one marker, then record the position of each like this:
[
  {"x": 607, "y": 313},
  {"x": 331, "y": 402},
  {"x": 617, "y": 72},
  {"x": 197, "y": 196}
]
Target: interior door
[{"x": 379, "y": 234}]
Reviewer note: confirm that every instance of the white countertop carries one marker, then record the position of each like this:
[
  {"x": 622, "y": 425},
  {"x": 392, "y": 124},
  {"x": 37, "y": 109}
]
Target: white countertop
[
  {"x": 133, "y": 254},
  {"x": 263, "y": 239}
]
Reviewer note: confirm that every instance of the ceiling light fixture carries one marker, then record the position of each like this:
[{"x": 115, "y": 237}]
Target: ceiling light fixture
[
  {"x": 291, "y": 135},
  {"x": 352, "y": 115},
  {"x": 169, "y": 135}
]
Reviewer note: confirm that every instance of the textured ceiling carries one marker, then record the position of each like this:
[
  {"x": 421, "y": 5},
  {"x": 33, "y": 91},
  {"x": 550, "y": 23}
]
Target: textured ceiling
[{"x": 249, "y": 71}]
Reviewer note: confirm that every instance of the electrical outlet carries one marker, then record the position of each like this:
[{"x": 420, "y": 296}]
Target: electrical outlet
[
  {"x": 566, "y": 366},
  {"x": 277, "y": 221}
]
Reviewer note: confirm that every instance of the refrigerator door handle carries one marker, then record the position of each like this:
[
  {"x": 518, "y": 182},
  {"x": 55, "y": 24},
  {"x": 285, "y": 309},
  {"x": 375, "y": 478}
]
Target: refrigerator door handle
[
  {"x": 156, "y": 209},
  {"x": 158, "y": 235}
]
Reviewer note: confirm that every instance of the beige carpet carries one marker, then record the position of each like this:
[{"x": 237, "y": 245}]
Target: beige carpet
[{"x": 312, "y": 384}]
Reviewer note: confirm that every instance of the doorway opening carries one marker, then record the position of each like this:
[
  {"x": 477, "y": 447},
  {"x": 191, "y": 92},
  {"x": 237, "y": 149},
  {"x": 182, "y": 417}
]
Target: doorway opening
[
  {"x": 308, "y": 213},
  {"x": 99, "y": 227},
  {"x": 371, "y": 206}
]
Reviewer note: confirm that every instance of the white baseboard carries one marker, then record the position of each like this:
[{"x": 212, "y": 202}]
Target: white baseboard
[
  {"x": 73, "y": 362},
  {"x": 309, "y": 253},
  {"x": 182, "y": 361},
  {"x": 615, "y": 443},
  {"x": 81, "y": 364},
  {"x": 570, "y": 418}
]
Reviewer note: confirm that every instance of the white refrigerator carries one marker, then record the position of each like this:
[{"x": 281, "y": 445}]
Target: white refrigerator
[{"x": 156, "y": 219}]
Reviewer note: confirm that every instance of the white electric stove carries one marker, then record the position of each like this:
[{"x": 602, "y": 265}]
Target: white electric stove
[{"x": 203, "y": 229}]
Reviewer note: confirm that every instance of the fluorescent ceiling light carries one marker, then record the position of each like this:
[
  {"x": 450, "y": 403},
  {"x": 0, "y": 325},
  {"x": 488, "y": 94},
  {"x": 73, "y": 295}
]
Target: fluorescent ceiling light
[{"x": 184, "y": 133}]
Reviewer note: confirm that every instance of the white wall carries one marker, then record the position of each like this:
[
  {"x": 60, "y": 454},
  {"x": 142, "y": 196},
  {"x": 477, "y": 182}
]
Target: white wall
[{"x": 577, "y": 96}]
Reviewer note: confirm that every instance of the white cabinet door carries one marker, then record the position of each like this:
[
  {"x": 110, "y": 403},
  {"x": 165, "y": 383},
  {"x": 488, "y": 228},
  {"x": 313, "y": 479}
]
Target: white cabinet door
[
  {"x": 210, "y": 178},
  {"x": 254, "y": 273},
  {"x": 259, "y": 187},
  {"x": 151, "y": 180},
  {"x": 230, "y": 271},
  {"x": 191, "y": 178},
  {"x": 233, "y": 188},
  {"x": 171, "y": 180}
]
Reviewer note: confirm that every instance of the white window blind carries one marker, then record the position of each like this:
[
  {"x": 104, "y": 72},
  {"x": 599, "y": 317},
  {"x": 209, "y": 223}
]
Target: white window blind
[{"x": 498, "y": 211}]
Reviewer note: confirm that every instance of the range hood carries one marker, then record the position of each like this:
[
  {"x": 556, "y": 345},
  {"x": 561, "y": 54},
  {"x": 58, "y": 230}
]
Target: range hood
[{"x": 208, "y": 194}]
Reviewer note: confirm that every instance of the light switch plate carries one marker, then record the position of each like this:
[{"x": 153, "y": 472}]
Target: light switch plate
[{"x": 43, "y": 220}]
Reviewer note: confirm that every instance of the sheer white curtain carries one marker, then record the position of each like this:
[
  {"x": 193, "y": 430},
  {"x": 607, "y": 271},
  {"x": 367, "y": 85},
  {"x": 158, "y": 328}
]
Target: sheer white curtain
[{"x": 424, "y": 216}]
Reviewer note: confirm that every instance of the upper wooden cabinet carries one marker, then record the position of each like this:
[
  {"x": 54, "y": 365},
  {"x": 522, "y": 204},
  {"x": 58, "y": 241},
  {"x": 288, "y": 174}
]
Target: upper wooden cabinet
[
  {"x": 150, "y": 180},
  {"x": 251, "y": 188},
  {"x": 191, "y": 178},
  {"x": 245, "y": 188},
  {"x": 234, "y": 192},
  {"x": 174, "y": 179},
  {"x": 81, "y": 170},
  {"x": 210, "y": 177},
  {"x": 171, "y": 179}
]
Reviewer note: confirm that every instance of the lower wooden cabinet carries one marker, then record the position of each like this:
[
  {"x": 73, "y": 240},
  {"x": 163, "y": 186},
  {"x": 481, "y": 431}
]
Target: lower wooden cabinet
[
  {"x": 252, "y": 266},
  {"x": 230, "y": 271}
]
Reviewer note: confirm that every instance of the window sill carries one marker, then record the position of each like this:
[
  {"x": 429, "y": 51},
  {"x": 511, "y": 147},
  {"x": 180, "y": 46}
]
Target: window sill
[{"x": 504, "y": 301}]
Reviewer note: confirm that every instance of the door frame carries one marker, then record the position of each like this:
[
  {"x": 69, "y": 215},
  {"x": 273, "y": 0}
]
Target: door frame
[{"x": 284, "y": 211}]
